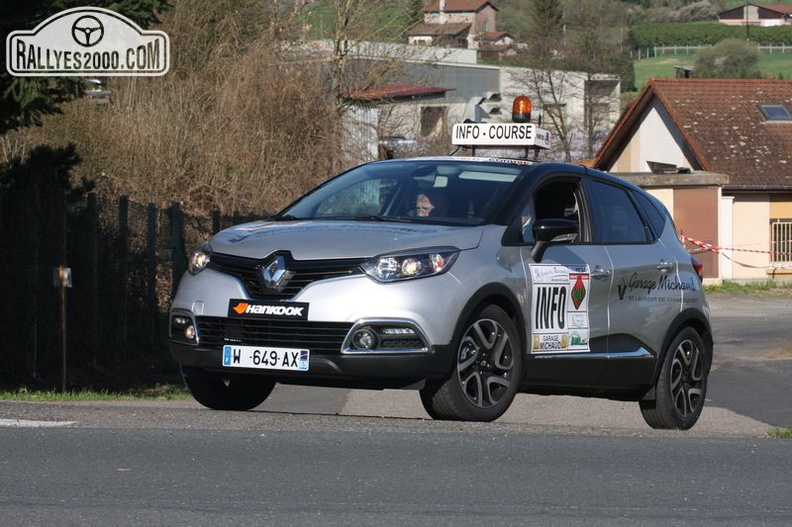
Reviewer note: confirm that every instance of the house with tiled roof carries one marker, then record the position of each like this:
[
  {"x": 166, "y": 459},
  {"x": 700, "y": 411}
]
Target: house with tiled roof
[
  {"x": 757, "y": 15},
  {"x": 718, "y": 153},
  {"x": 461, "y": 23}
]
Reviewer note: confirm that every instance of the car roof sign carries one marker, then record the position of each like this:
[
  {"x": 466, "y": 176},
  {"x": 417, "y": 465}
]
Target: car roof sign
[{"x": 500, "y": 135}]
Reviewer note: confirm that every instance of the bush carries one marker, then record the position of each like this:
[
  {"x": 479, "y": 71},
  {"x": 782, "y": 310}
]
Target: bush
[
  {"x": 731, "y": 59},
  {"x": 704, "y": 34}
]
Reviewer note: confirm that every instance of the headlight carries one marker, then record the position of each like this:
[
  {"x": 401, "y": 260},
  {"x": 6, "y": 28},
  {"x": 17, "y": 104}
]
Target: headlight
[
  {"x": 405, "y": 266},
  {"x": 199, "y": 259}
]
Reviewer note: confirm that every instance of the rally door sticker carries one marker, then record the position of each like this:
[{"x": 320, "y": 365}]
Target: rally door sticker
[{"x": 559, "y": 308}]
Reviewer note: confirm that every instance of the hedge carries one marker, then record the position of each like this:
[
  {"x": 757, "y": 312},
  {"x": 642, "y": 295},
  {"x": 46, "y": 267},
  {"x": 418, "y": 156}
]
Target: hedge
[{"x": 705, "y": 33}]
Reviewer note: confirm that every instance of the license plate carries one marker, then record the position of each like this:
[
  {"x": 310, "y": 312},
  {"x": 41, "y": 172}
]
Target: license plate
[{"x": 265, "y": 358}]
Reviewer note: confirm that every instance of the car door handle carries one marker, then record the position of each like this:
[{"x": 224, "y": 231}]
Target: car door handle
[
  {"x": 600, "y": 274},
  {"x": 664, "y": 266}
]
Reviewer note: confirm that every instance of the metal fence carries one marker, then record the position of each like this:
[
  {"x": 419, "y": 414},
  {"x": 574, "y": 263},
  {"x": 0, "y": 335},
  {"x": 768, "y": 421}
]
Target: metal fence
[
  {"x": 126, "y": 260},
  {"x": 781, "y": 241},
  {"x": 659, "y": 51}
]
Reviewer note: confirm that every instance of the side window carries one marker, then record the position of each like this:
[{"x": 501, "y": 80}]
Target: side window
[
  {"x": 556, "y": 199},
  {"x": 653, "y": 212},
  {"x": 615, "y": 218},
  {"x": 527, "y": 223}
]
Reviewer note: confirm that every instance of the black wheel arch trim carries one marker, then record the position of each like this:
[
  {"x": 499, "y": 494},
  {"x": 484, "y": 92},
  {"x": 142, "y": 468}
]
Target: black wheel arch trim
[
  {"x": 695, "y": 319},
  {"x": 497, "y": 294}
]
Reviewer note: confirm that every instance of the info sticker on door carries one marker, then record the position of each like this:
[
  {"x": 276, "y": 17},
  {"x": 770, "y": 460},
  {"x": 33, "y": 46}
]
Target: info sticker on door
[{"x": 559, "y": 308}]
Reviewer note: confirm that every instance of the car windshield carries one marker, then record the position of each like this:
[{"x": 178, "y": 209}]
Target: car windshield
[{"x": 446, "y": 191}]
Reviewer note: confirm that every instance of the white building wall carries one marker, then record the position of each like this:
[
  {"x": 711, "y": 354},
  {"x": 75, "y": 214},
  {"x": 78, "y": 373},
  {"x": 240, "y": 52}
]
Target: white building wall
[
  {"x": 726, "y": 235},
  {"x": 653, "y": 141},
  {"x": 751, "y": 235},
  {"x": 666, "y": 197},
  {"x": 362, "y": 141}
]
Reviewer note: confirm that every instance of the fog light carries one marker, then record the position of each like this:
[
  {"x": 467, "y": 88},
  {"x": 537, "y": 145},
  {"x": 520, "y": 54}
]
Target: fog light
[{"x": 364, "y": 339}]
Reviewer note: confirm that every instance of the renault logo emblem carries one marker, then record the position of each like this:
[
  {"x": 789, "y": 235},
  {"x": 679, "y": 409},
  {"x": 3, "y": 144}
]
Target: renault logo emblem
[{"x": 275, "y": 274}]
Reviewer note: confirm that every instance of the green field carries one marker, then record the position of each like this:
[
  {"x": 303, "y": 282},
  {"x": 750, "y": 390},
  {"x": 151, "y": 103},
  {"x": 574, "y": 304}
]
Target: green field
[
  {"x": 731, "y": 4},
  {"x": 771, "y": 65}
]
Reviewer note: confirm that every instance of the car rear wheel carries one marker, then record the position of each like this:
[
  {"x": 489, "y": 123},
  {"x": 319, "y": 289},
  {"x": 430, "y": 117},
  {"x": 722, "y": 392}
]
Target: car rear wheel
[
  {"x": 682, "y": 385},
  {"x": 236, "y": 392},
  {"x": 486, "y": 373}
]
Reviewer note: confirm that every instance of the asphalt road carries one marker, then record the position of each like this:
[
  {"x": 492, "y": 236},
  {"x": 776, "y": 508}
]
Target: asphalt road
[
  {"x": 752, "y": 370},
  {"x": 313, "y": 456},
  {"x": 98, "y": 464}
]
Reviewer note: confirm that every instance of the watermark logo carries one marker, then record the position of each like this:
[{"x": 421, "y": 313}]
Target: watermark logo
[{"x": 87, "y": 41}]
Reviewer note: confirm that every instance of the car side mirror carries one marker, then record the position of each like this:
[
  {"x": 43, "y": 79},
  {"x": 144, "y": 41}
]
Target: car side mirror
[{"x": 552, "y": 230}]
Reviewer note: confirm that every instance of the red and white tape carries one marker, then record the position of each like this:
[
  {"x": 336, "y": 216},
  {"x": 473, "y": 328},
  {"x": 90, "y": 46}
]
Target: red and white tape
[{"x": 716, "y": 249}]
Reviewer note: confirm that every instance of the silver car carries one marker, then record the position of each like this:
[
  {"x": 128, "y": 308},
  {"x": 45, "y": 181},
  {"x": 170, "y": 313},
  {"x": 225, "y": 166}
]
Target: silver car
[{"x": 468, "y": 279}]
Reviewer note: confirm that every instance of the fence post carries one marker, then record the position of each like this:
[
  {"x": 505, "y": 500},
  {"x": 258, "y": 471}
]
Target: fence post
[
  {"x": 215, "y": 221},
  {"x": 123, "y": 265},
  {"x": 62, "y": 202},
  {"x": 93, "y": 278},
  {"x": 178, "y": 258},
  {"x": 151, "y": 270}
]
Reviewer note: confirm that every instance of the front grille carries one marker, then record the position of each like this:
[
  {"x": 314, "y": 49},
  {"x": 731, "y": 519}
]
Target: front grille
[
  {"x": 319, "y": 337},
  {"x": 303, "y": 273}
]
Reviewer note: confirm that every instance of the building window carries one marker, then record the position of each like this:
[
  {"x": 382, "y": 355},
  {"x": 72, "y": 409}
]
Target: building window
[
  {"x": 775, "y": 112},
  {"x": 781, "y": 240},
  {"x": 555, "y": 114},
  {"x": 432, "y": 120}
]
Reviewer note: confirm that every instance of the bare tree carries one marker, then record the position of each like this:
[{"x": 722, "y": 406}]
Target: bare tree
[
  {"x": 566, "y": 66},
  {"x": 594, "y": 48}
]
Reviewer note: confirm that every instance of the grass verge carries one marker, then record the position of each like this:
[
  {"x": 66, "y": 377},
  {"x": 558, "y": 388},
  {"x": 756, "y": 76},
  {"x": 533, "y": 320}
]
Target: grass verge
[
  {"x": 780, "y": 433},
  {"x": 160, "y": 392},
  {"x": 751, "y": 288}
]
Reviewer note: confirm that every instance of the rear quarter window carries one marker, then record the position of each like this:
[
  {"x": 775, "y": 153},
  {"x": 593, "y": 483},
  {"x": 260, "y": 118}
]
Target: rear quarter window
[{"x": 653, "y": 212}]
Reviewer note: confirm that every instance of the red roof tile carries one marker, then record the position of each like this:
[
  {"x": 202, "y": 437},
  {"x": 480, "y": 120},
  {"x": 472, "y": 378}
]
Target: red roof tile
[
  {"x": 492, "y": 36},
  {"x": 396, "y": 91},
  {"x": 780, "y": 8},
  {"x": 432, "y": 30},
  {"x": 457, "y": 6},
  {"x": 721, "y": 122}
]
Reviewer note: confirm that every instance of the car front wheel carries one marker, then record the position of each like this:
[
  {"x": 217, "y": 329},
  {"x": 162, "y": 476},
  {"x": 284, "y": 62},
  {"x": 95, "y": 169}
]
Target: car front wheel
[
  {"x": 682, "y": 385},
  {"x": 486, "y": 372},
  {"x": 237, "y": 392}
]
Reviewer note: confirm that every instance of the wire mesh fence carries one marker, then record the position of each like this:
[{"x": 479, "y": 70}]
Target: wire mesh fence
[{"x": 126, "y": 260}]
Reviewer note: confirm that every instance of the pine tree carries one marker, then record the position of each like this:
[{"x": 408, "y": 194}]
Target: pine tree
[
  {"x": 547, "y": 29},
  {"x": 415, "y": 12}
]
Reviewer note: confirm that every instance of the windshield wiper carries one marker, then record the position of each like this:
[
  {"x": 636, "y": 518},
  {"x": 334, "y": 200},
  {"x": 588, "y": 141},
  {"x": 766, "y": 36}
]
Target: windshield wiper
[{"x": 285, "y": 217}]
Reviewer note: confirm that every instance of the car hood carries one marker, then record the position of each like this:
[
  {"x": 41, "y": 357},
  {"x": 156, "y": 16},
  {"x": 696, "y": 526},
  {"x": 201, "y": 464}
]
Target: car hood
[{"x": 314, "y": 240}]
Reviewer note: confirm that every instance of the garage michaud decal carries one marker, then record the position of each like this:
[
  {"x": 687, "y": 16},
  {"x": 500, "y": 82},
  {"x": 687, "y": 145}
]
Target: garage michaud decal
[
  {"x": 272, "y": 310},
  {"x": 559, "y": 308}
]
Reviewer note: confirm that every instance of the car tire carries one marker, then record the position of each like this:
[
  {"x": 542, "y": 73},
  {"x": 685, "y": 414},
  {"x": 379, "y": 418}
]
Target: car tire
[
  {"x": 486, "y": 371},
  {"x": 236, "y": 392},
  {"x": 682, "y": 385}
]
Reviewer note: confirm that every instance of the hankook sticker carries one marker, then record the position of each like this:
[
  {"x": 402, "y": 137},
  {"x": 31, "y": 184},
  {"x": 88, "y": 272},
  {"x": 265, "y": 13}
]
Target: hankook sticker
[{"x": 273, "y": 310}]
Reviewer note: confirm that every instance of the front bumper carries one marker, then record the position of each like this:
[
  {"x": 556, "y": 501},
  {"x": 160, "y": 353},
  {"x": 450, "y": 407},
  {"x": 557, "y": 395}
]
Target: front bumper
[{"x": 376, "y": 370}]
